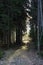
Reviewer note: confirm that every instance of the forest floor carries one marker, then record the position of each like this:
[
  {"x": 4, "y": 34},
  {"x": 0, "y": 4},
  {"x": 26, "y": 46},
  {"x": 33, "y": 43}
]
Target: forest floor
[{"x": 25, "y": 55}]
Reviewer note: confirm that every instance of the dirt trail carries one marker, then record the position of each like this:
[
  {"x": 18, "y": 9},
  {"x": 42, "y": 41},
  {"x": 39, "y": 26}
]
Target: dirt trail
[{"x": 23, "y": 56}]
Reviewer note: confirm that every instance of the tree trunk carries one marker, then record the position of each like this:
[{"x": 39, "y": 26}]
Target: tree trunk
[
  {"x": 9, "y": 37},
  {"x": 18, "y": 35}
]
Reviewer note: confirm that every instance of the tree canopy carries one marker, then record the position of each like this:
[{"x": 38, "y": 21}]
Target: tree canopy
[{"x": 10, "y": 11}]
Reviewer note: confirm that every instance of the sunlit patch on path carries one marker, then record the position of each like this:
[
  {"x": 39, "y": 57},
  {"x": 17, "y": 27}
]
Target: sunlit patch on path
[
  {"x": 26, "y": 38},
  {"x": 24, "y": 47}
]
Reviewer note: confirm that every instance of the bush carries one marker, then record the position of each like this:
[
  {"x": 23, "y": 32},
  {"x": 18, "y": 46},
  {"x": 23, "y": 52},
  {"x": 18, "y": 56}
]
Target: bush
[
  {"x": 1, "y": 54},
  {"x": 41, "y": 53}
]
